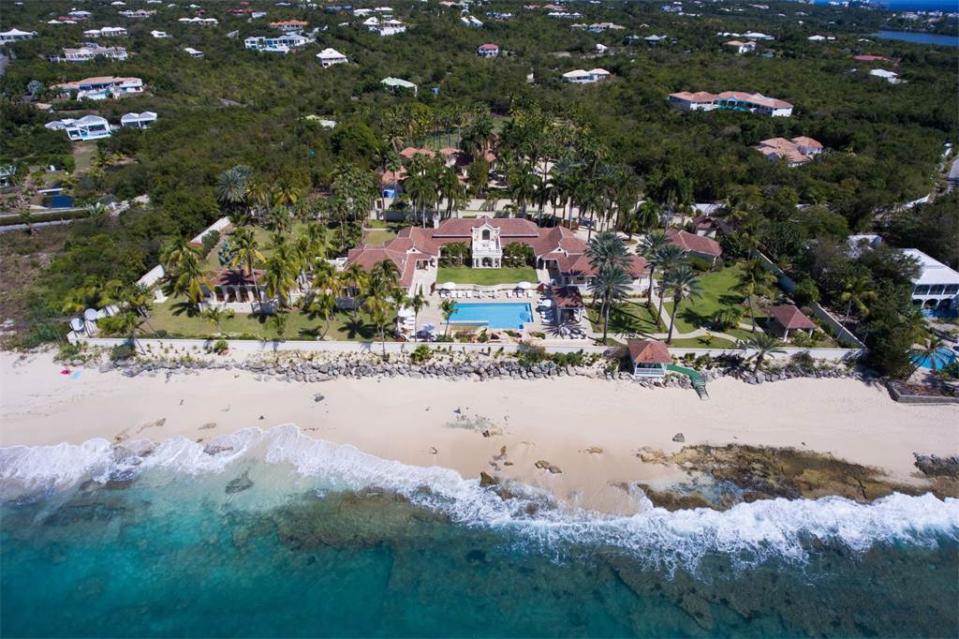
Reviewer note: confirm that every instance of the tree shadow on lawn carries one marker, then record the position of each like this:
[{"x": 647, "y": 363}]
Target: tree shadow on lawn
[
  {"x": 184, "y": 308},
  {"x": 357, "y": 327},
  {"x": 623, "y": 320}
]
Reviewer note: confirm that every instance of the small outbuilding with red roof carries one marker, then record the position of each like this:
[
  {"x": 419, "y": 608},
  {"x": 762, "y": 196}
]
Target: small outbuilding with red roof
[
  {"x": 650, "y": 357},
  {"x": 787, "y": 317}
]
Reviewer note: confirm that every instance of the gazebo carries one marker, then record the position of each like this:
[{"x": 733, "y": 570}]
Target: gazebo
[
  {"x": 787, "y": 317},
  {"x": 568, "y": 303},
  {"x": 650, "y": 357}
]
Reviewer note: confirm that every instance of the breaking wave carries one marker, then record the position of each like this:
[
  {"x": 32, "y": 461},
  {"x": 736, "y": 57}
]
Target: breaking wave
[{"x": 748, "y": 532}]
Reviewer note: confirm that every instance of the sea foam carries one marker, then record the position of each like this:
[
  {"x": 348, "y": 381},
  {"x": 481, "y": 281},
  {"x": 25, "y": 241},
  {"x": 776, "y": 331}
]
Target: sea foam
[{"x": 748, "y": 532}]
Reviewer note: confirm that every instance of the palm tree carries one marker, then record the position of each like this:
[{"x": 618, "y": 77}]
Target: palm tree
[
  {"x": 246, "y": 251},
  {"x": 232, "y": 187},
  {"x": 138, "y": 299},
  {"x": 684, "y": 284},
  {"x": 522, "y": 185},
  {"x": 215, "y": 315},
  {"x": 764, "y": 344},
  {"x": 651, "y": 248},
  {"x": 323, "y": 306},
  {"x": 418, "y": 302},
  {"x": 754, "y": 281},
  {"x": 447, "y": 307},
  {"x": 670, "y": 257},
  {"x": 126, "y": 323},
  {"x": 183, "y": 273},
  {"x": 280, "y": 278},
  {"x": 382, "y": 314},
  {"x": 648, "y": 215},
  {"x": 606, "y": 250},
  {"x": 384, "y": 277},
  {"x": 929, "y": 351},
  {"x": 857, "y": 292},
  {"x": 611, "y": 284}
]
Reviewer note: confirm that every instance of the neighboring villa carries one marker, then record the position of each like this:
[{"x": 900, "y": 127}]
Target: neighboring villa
[
  {"x": 289, "y": 26},
  {"x": 472, "y": 22},
  {"x": 137, "y": 14},
  {"x": 16, "y": 35},
  {"x": 650, "y": 357},
  {"x": 732, "y": 101},
  {"x": 698, "y": 246},
  {"x": 579, "y": 76},
  {"x": 101, "y": 87},
  {"x": 386, "y": 27},
  {"x": 794, "y": 152},
  {"x": 741, "y": 47},
  {"x": 90, "y": 51},
  {"x": 138, "y": 120},
  {"x": 397, "y": 83},
  {"x": 330, "y": 57},
  {"x": 160, "y": 35},
  {"x": 488, "y": 50},
  {"x": 937, "y": 285},
  {"x": 278, "y": 44},
  {"x": 889, "y": 76},
  {"x": 89, "y": 127},
  {"x": 555, "y": 249},
  {"x": 868, "y": 57},
  {"x": 106, "y": 32},
  {"x": 602, "y": 27},
  {"x": 200, "y": 22},
  {"x": 193, "y": 53}
]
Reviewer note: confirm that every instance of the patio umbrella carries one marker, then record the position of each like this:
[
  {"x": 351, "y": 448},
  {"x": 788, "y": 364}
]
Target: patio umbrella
[
  {"x": 546, "y": 303},
  {"x": 449, "y": 286},
  {"x": 91, "y": 315},
  {"x": 524, "y": 285}
]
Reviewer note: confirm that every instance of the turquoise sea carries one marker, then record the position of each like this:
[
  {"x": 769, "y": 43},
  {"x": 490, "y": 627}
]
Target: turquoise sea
[{"x": 269, "y": 534}]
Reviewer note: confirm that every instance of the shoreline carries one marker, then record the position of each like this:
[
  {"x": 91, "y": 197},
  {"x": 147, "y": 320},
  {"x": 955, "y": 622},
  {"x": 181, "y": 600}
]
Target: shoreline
[{"x": 578, "y": 438}]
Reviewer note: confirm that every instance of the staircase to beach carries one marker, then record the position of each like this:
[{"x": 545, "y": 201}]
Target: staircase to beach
[{"x": 699, "y": 384}]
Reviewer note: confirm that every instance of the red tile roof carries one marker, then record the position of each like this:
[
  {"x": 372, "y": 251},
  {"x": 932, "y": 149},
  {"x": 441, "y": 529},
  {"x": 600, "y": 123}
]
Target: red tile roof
[
  {"x": 790, "y": 317},
  {"x": 690, "y": 242},
  {"x": 508, "y": 227},
  {"x": 648, "y": 351},
  {"x": 411, "y": 151}
]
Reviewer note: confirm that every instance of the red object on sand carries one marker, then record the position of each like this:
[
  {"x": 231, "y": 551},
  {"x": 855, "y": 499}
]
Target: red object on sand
[{"x": 65, "y": 371}]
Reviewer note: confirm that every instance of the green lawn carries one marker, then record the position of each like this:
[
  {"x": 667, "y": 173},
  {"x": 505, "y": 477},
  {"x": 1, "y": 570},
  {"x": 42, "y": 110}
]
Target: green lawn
[
  {"x": 174, "y": 318},
  {"x": 378, "y": 237},
  {"x": 628, "y": 319},
  {"x": 717, "y": 292},
  {"x": 485, "y": 276},
  {"x": 83, "y": 155},
  {"x": 702, "y": 342}
]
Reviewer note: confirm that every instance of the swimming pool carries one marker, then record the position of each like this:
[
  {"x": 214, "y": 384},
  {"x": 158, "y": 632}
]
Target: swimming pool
[
  {"x": 493, "y": 315},
  {"x": 943, "y": 356}
]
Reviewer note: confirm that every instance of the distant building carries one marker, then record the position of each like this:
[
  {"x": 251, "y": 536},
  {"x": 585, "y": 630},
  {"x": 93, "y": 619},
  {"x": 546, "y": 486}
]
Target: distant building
[
  {"x": 200, "y": 22},
  {"x": 471, "y": 22},
  {"x": 289, "y": 26},
  {"x": 89, "y": 127},
  {"x": 193, "y": 53},
  {"x": 731, "y": 100},
  {"x": 650, "y": 357},
  {"x": 699, "y": 246},
  {"x": 937, "y": 285},
  {"x": 397, "y": 83},
  {"x": 330, "y": 57},
  {"x": 16, "y": 35},
  {"x": 787, "y": 317},
  {"x": 91, "y": 51},
  {"x": 138, "y": 14},
  {"x": 138, "y": 120},
  {"x": 889, "y": 76},
  {"x": 794, "y": 152},
  {"x": 278, "y": 44},
  {"x": 160, "y": 35},
  {"x": 740, "y": 47},
  {"x": 101, "y": 87},
  {"x": 488, "y": 50},
  {"x": 106, "y": 32},
  {"x": 868, "y": 57},
  {"x": 579, "y": 76}
]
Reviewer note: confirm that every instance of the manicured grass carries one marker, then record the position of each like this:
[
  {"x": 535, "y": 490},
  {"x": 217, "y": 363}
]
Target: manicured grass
[
  {"x": 178, "y": 321},
  {"x": 83, "y": 155},
  {"x": 702, "y": 342},
  {"x": 627, "y": 319},
  {"x": 485, "y": 276},
  {"x": 378, "y": 237},
  {"x": 717, "y": 292}
]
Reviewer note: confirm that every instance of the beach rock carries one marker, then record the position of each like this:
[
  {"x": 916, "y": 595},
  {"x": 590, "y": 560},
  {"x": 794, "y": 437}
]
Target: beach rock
[
  {"x": 487, "y": 480},
  {"x": 935, "y": 466},
  {"x": 238, "y": 485},
  {"x": 542, "y": 464},
  {"x": 554, "y": 470},
  {"x": 678, "y": 437},
  {"x": 318, "y": 397}
]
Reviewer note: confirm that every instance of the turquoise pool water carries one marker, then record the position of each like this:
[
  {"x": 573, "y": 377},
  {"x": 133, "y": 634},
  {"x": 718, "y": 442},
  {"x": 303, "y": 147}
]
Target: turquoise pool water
[
  {"x": 493, "y": 315},
  {"x": 943, "y": 357}
]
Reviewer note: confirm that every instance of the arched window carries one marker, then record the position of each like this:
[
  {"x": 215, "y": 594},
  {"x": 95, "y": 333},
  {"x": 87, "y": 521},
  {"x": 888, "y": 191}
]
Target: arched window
[{"x": 485, "y": 234}]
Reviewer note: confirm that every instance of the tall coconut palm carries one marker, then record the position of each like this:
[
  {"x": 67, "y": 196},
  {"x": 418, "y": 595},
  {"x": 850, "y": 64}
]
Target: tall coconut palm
[
  {"x": 279, "y": 279},
  {"x": 381, "y": 313},
  {"x": 651, "y": 249},
  {"x": 648, "y": 215},
  {"x": 323, "y": 306},
  {"x": 383, "y": 278},
  {"x": 606, "y": 250},
  {"x": 610, "y": 285},
  {"x": 763, "y": 344},
  {"x": 216, "y": 315},
  {"x": 447, "y": 307},
  {"x": 183, "y": 273},
  {"x": 671, "y": 257},
  {"x": 684, "y": 284},
  {"x": 754, "y": 281},
  {"x": 232, "y": 187},
  {"x": 418, "y": 302},
  {"x": 857, "y": 292},
  {"x": 245, "y": 251},
  {"x": 452, "y": 190},
  {"x": 522, "y": 185}
]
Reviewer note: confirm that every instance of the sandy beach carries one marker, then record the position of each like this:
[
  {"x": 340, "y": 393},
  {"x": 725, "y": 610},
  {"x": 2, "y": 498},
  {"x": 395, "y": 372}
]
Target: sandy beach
[{"x": 589, "y": 429}]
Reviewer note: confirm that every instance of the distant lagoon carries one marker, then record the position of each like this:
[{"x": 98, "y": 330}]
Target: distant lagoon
[{"x": 919, "y": 38}]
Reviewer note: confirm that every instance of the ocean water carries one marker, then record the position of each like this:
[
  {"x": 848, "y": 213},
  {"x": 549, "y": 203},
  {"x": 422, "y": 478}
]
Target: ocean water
[{"x": 269, "y": 533}]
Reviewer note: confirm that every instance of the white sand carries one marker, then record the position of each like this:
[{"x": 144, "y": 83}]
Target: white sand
[{"x": 553, "y": 420}]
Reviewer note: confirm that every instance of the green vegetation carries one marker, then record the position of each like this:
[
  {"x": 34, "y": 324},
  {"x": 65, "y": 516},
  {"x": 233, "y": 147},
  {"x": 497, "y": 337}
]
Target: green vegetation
[
  {"x": 485, "y": 276},
  {"x": 718, "y": 291},
  {"x": 627, "y": 319}
]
